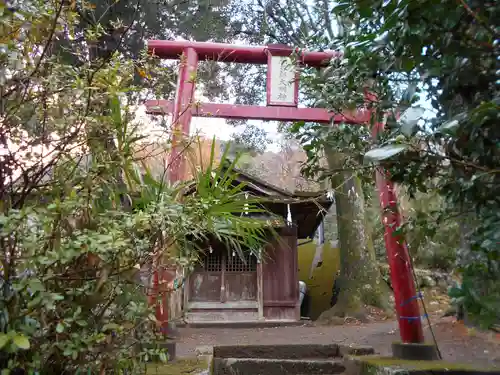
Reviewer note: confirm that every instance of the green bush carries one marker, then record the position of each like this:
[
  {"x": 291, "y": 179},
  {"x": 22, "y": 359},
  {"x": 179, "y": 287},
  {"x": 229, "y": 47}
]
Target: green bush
[{"x": 78, "y": 209}]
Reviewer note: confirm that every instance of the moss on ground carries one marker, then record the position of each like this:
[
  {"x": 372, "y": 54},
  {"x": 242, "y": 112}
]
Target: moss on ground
[
  {"x": 184, "y": 366},
  {"x": 418, "y": 365}
]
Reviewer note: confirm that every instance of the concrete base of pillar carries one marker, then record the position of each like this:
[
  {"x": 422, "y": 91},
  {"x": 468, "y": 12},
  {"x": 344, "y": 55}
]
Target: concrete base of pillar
[
  {"x": 415, "y": 352},
  {"x": 170, "y": 347}
]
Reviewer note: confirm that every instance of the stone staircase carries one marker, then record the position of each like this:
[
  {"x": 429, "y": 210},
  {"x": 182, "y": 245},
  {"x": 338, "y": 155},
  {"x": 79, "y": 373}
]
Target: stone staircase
[{"x": 299, "y": 359}]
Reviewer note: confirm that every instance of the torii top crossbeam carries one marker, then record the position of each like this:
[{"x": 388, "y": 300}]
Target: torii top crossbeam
[
  {"x": 282, "y": 83},
  {"x": 172, "y": 49},
  {"x": 282, "y": 104}
]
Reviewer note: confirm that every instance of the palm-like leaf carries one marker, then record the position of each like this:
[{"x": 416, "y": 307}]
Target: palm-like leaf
[
  {"x": 217, "y": 208},
  {"x": 226, "y": 206}
]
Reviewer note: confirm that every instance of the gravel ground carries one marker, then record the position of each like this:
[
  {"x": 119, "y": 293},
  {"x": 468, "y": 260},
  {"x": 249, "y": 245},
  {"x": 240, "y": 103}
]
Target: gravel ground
[{"x": 456, "y": 343}]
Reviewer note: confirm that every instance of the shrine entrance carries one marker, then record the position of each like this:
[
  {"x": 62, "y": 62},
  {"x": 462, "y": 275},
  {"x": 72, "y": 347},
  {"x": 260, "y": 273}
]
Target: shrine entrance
[
  {"x": 282, "y": 105},
  {"x": 228, "y": 286},
  {"x": 222, "y": 287}
]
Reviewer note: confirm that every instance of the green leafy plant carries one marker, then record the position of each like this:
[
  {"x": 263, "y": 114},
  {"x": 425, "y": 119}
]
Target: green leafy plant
[
  {"x": 79, "y": 210},
  {"x": 447, "y": 52},
  {"x": 432, "y": 67}
]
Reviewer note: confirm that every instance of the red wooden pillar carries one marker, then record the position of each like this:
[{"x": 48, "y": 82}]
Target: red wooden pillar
[
  {"x": 162, "y": 304},
  {"x": 407, "y": 309},
  {"x": 181, "y": 119}
]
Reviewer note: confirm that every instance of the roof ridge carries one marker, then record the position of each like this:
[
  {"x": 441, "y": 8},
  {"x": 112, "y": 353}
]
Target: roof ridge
[{"x": 295, "y": 193}]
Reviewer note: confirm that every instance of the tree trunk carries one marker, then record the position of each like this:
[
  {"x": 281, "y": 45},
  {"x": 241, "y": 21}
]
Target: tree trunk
[{"x": 360, "y": 281}]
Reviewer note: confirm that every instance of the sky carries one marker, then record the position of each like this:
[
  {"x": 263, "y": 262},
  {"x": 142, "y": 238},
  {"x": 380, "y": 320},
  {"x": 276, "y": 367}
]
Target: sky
[{"x": 210, "y": 127}]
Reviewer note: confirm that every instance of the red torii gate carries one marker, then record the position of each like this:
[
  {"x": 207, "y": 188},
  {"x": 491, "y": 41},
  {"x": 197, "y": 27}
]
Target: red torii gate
[{"x": 282, "y": 101}]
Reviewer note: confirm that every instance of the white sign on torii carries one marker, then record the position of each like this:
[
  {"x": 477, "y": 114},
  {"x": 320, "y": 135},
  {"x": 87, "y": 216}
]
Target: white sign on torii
[{"x": 282, "y": 77}]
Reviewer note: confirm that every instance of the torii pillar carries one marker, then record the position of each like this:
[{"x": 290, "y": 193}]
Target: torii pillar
[{"x": 282, "y": 100}]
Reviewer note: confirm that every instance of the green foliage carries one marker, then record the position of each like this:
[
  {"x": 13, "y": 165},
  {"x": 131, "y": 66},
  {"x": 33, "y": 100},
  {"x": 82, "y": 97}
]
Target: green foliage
[
  {"x": 404, "y": 52},
  {"x": 447, "y": 50},
  {"x": 344, "y": 140},
  {"x": 79, "y": 212},
  {"x": 73, "y": 283},
  {"x": 310, "y": 25},
  {"x": 252, "y": 139},
  {"x": 432, "y": 238}
]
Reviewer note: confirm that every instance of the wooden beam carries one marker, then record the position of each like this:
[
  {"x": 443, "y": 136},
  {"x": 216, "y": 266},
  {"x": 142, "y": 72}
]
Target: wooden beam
[
  {"x": 230, "y": 305},
  {"x": 173, "y": 49},
  {"x": 223, "y": 292},
  {"x": 253, "y": 112},
  {"x": 260, "y": 290},
  {"x": 284, "y": 303},
  {"x": 186, "y": 296}
]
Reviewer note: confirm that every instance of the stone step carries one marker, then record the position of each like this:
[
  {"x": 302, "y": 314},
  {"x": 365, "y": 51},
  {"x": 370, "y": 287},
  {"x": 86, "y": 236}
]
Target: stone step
[
  {"x": 243, "y": 324},
  {"x": 292, "y": 351},
  {"x": 268, "y": 366},
  {"x": 192, "y": 317}
]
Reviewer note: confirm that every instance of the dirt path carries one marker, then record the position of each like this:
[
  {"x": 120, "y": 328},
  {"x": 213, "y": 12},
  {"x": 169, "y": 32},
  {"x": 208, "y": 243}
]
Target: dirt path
[{"x": 455, "y": 343}]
